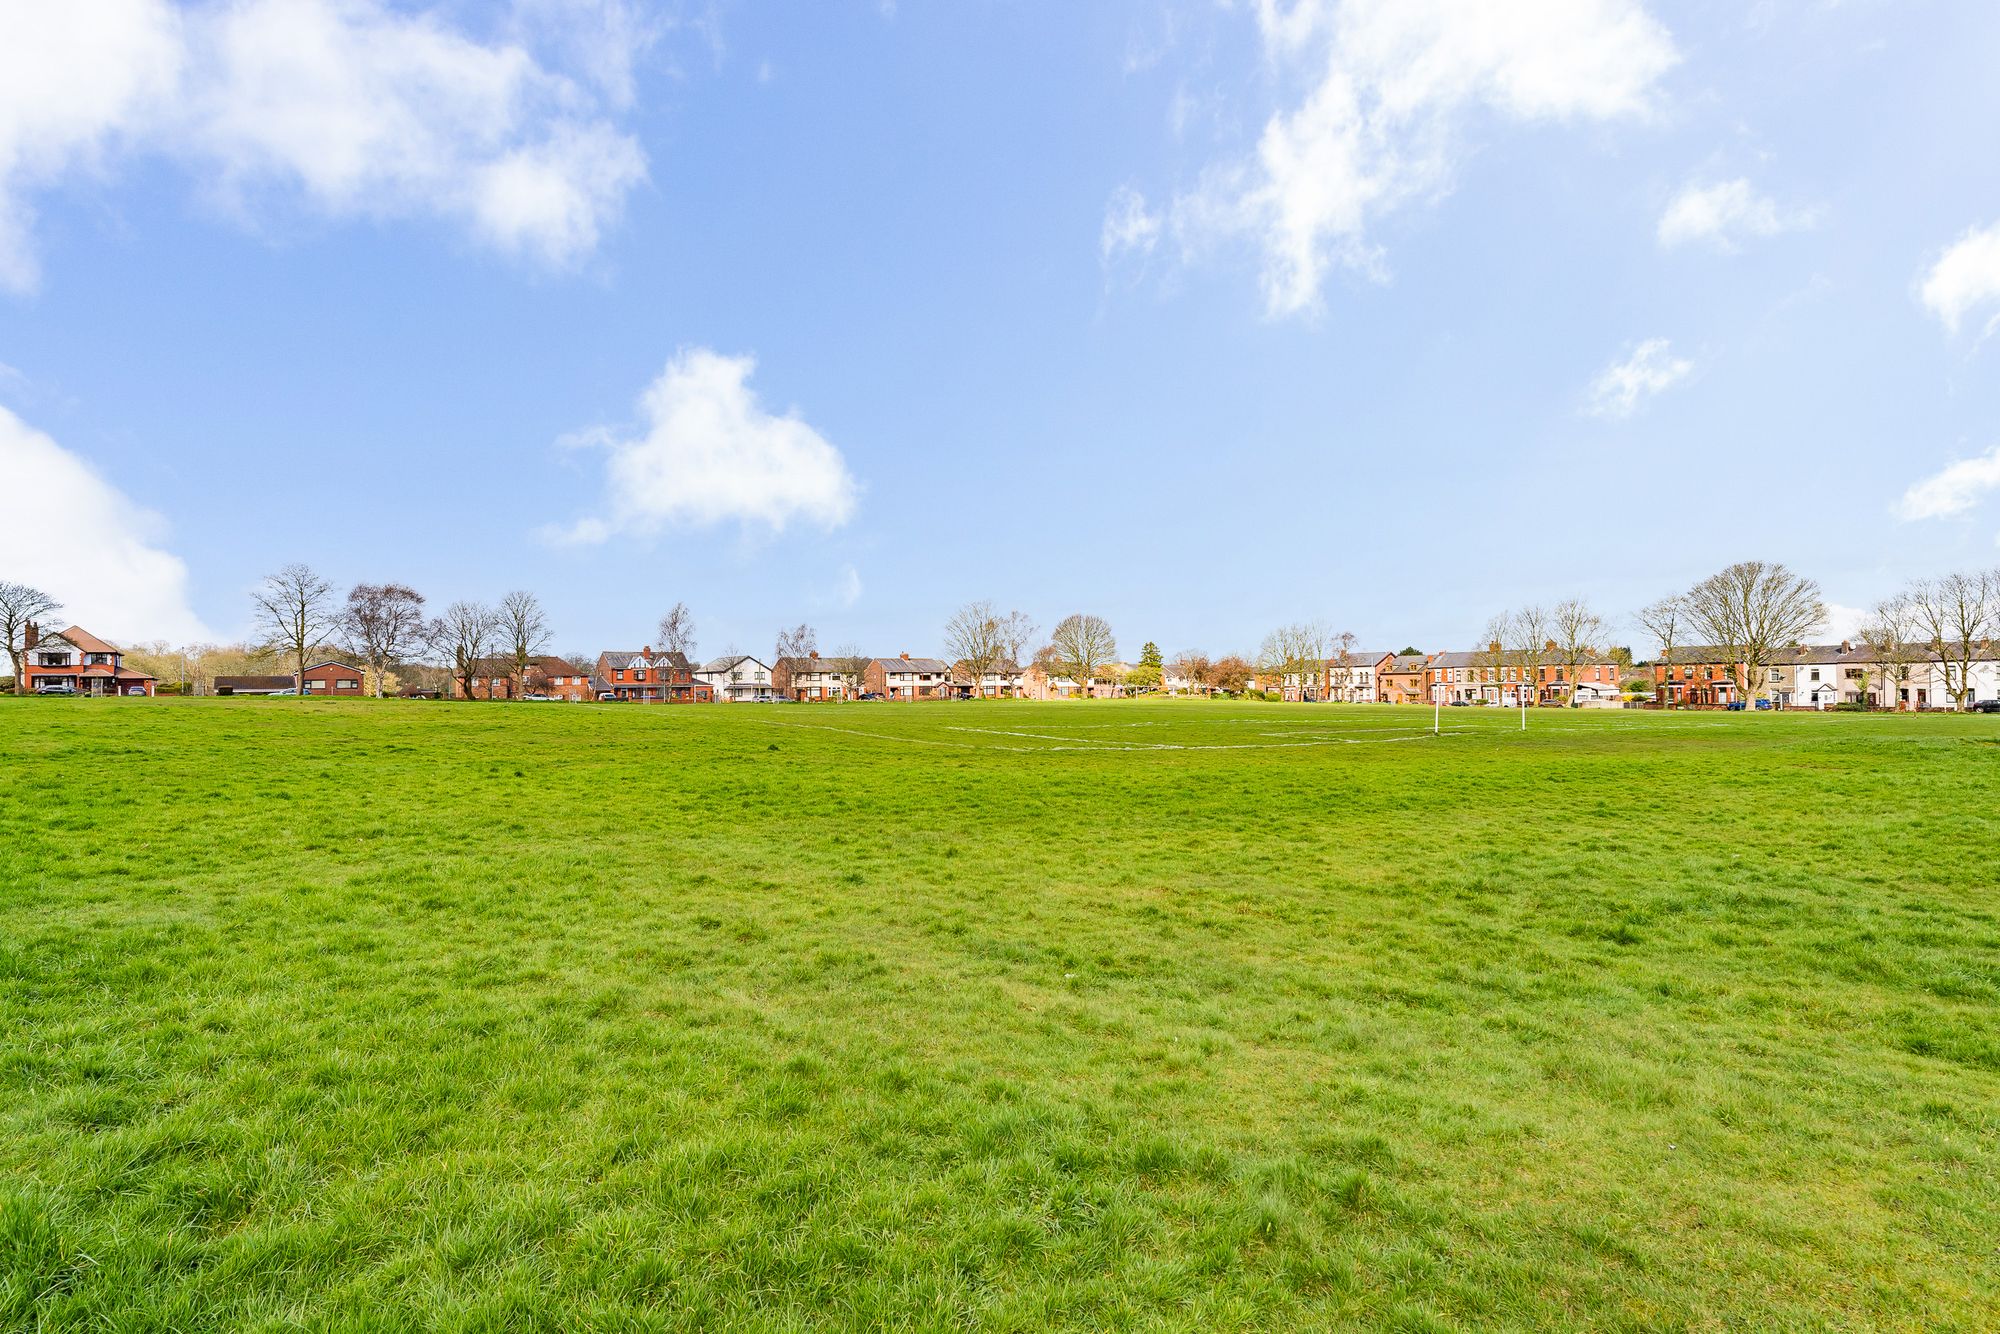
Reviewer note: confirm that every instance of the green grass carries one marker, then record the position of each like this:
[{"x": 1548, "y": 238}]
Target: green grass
[{"x": 351, "y": 1016}]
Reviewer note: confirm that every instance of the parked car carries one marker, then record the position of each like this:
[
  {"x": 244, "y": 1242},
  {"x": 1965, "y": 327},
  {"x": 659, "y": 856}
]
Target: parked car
[
  {"x": 1764, "y": 704},
  {"x": 873, "y": 695},
  {"x": 543, "y": 698},
  {"x": 1461, "y": 704},
  {"x": 1986, "y": 706},
  {"x": 1734, "y": 706},
  {"x": 55, "y": 688}
]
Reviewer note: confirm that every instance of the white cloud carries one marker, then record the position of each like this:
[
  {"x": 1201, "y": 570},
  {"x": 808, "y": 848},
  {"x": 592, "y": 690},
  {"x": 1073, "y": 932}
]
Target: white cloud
[
  {"x": 1724, "y": 214},
  {"x": 353, "y": 107},
  {"x": 1651, "y": 369},
  {"x": 75, "y": 80},
  {"x": 709, "y": 453},
  {"x": 1952, "y": 490},
  {"x": 67, "y": 531},
  {"x": 1391, "y": 83},
  {"x": 1128, "y": 224},
  {"x": 1965, "y": 276}
]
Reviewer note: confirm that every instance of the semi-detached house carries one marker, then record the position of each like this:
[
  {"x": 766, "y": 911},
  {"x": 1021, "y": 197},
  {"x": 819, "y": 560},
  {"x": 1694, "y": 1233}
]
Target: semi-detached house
[{"x": 906, "y": 678}]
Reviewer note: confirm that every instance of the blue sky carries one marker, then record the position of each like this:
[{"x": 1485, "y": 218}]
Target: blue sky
[{"x": 1204, "y": 317}]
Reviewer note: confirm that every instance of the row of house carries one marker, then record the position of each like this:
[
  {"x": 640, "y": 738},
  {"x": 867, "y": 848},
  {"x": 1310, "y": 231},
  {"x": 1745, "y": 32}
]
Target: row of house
[
  {"x": 74, "y": 661},
  {"x": 1821, "y": 676},
  {"x": 1448, "y": 678}
]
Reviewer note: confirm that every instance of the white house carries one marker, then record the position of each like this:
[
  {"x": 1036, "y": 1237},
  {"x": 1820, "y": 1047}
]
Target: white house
[{"x": 738, "y": 678}]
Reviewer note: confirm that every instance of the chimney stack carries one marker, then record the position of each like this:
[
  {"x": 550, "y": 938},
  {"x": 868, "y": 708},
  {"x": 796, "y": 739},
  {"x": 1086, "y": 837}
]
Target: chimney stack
[
  {"x": 647, "y": 651},
  {"x": 813, "y": 654},
  {"x": 906, "y": 657},
  {"x": 30, "y": 636}
]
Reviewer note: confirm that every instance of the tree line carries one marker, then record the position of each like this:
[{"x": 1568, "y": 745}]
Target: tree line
[{"x": 1749, "y": 614}]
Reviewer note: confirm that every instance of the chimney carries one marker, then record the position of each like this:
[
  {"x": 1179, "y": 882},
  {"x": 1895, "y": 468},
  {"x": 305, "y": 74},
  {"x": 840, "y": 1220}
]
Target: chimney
[
  {"x": 647, "y": 651},
  {"x": 30, "y": 636},
  {"x": 813, "y": 654},
  {"x": 1846, "y": 647},
  {"x": 906, "y": 657}
]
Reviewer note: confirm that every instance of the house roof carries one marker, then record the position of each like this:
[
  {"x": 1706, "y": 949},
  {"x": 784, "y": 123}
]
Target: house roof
[
  {"x": 929, "y": 666},
  {"x": 330, "y": 662},
  {"x": 1479, "y": 658},
  {"x": 1407, "y": 662},
  {"x": 676, "y": 660},
  {"x": 723, "y": 664},
  {"x": 84, "y": 641}
]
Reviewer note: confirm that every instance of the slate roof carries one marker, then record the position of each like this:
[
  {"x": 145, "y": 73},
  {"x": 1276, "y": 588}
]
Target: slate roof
[{"x": 927, "y": 666}]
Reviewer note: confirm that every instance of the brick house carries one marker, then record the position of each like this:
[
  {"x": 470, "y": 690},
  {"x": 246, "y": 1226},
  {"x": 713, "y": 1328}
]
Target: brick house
[
  {"x": 811, "y": 679},
  {"x": 77, "y": 662},
  {"x": 649, "y": 677},
  {"x": 907, "y": 678},
  {"x": 329, "y": 679},
  {"x": 498, "y": 678},
  {"x": 1399, "y": 679}
]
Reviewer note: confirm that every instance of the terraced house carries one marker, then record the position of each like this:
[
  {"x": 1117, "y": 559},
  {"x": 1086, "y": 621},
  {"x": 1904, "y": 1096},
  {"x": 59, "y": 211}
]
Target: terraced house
[{"x": 648, "y": 677}]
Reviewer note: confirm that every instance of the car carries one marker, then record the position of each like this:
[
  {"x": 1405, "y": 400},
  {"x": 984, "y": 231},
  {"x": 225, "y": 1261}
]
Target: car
[
  {"x": 1734, "y": 706},
  {"x": 1764, "y": 704},
  {"x": 1461, "y": 704},
  {"x": 871, "y": 696},
  {"x": 543, "y": 698},
  {"x": 1986, "y": 706},
  {"x": 55, "y": 688},
  {"x": 284, "y": 692}
]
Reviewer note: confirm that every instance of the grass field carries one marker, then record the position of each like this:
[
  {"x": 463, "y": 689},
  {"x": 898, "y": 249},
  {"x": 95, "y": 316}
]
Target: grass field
[{"x": 1015, "y": 1017}]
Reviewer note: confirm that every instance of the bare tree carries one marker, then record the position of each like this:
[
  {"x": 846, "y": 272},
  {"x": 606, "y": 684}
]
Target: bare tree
[
  {"x": 1889, "y": 636},
  {"x": 1298, "y": 652},
  {"x": 1015, "y": 632},
  {"x": 676, "y": 631},
  {"x": 972, "y": 639},
  {"x": 295, "y": 613},
  {"x": 465, "y": 637},
  {"x": 523, "y": 631},
  {"x": 797, "y": 642},
  {"x": 1578, "y": 633},
  {"x": 1492, "y": 657},
  {"x": 1664, "y": 620},
  {"x": 850, "y": 664},
  {"x": 1083, "y": 644},
  {"x": 381, "y": 624},
  {"x": 1957, "y": 616},
  {"x": 1752, "y": 611},
  {"x": 20, "y": 606},
  {"x": 1191, "y": 665},
  {"x": 1340, "y": 664},
  {"x": 1527, "y": 640}
]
